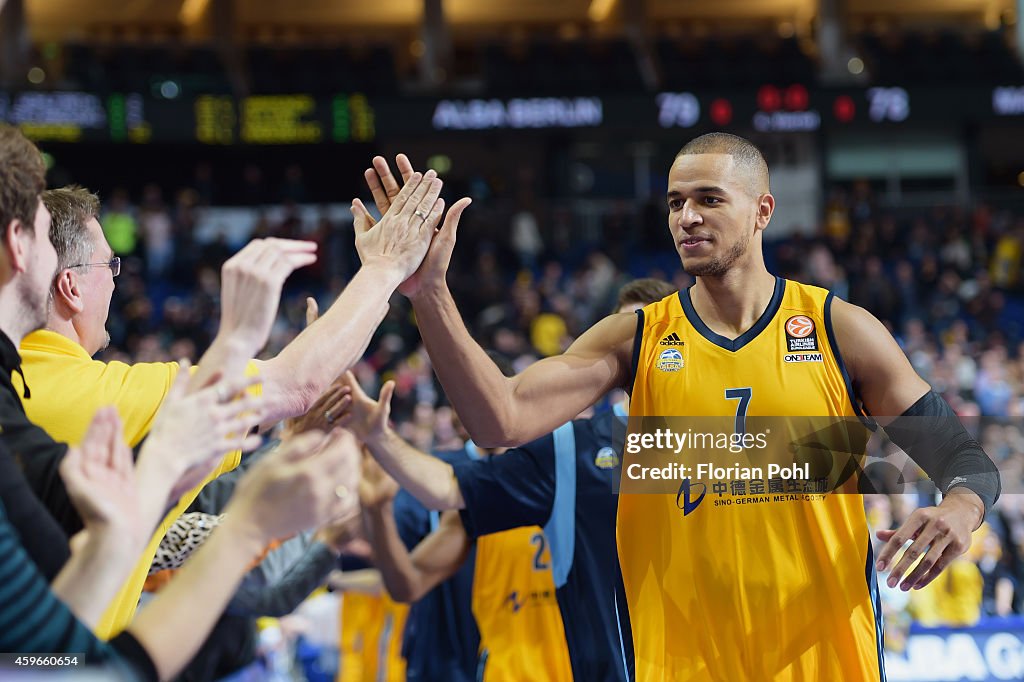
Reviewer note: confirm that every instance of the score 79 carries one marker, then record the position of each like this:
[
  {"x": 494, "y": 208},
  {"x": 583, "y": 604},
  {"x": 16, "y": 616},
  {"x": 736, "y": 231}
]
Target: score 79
[
  {"x": 888, "y": 104},
  {"x": 677, "y": 109}
]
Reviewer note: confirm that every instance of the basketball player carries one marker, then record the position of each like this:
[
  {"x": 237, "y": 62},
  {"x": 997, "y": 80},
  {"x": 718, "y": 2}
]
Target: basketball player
[
  {"x": 747, "y": 592},
  {"x": 561, "y": 483},
  {"x": 512, "y": 600},
  {"x": 506, "y": 604}
]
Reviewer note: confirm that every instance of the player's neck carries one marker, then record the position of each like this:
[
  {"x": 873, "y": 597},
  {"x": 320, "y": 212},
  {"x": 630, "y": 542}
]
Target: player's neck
[{"x": 732, "y": 304}]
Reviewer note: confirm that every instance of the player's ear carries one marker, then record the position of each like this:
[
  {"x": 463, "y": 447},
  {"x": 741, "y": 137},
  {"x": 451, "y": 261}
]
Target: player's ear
[{"x": 765, "y": 209}]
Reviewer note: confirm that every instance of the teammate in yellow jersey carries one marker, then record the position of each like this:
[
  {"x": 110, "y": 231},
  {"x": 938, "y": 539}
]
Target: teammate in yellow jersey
[
  {"x": 371, "y": 637},
  {"x": 780, "y": 591},
  {"x": 513, "y": 602}
]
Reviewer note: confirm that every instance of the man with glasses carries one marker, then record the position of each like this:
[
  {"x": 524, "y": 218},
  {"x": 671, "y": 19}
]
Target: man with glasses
[{"x": 81, "y": 291}]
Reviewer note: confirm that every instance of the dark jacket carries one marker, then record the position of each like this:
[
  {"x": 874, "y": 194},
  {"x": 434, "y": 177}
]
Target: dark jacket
[{"x": 30, "y": 484}]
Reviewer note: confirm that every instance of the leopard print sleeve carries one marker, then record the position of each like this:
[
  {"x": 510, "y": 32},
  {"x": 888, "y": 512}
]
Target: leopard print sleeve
[{"x": 187, "y": 533}]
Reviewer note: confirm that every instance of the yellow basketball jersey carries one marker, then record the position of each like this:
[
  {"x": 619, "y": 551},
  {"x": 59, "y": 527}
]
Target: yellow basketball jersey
[
  {"x": 371, "y": 638},
  {"x": 521, "y": 631},
  {"x": 767, "y": 587}
]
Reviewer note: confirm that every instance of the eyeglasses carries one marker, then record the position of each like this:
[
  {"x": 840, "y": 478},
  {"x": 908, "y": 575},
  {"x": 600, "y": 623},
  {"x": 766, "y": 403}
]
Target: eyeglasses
[{"x": 114, "y": 264}]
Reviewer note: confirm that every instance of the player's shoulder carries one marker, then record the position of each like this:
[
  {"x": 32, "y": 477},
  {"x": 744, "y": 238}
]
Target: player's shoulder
[
  {"x": 614, "y": 327},
  {"x": 849, "y": 320},
  {"x": 805, "y": 298},
  {"x": 863, "y": 341},
  {"x": 611, "y": 336},
  {"x": 671, "y": 306},
  {"x": 841, "y": 317}
]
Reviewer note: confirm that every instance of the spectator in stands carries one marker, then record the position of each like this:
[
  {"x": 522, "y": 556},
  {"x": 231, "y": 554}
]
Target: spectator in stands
[
  {"x": 120, "y": 227},
  {"x": 157, "y": 233},
  {"x": 998, "y": 582}
]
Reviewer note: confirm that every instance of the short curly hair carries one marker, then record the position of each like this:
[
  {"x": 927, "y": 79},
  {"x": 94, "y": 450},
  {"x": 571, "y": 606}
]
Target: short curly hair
[{"x": 22, "y": 179}]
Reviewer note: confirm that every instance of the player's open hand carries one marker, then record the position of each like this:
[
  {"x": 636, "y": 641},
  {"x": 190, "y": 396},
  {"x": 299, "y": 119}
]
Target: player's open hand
[
  {"x": 385, "y": 189},
  {"x": 939, "y": 534},
  {"x": 364, "y": 416},
  {"x": 383, "y": 185},
  {"x": 251, "y": 283}
]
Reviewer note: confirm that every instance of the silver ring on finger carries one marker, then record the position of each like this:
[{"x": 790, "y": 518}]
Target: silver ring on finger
[
  {"x": 420, "y": 214},
  {"x": 222, "y": 394}
]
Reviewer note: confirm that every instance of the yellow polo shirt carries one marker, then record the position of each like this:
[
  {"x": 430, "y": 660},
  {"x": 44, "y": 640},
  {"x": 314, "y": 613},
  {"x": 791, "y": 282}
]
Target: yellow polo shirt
[{"x": 68, "y": 386}]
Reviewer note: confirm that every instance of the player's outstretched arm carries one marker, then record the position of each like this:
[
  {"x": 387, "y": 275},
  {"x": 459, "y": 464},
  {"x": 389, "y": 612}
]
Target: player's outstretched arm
[
  {"x": 429, "y": 479},
  {"x": 919, "y": 421},
  {"x": 407, "y": 576},
  {"x": 509, "y": 411},
  {"x": 499, "y": 411}
]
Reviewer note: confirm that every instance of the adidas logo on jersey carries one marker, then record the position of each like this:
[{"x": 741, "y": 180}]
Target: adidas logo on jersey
[{"x": 671, "y": 340}]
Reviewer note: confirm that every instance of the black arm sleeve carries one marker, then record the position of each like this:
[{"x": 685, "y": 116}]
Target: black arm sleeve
[{"x": 931, "y": 433}]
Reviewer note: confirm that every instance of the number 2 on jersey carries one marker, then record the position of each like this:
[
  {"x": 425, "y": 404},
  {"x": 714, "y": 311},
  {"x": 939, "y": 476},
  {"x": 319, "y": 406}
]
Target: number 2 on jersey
[{"x": 538, "y": 559}]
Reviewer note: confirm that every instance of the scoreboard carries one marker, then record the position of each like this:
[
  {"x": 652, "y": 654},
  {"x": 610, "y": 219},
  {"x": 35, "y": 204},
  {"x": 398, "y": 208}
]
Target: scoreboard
[
  {"x": 302, "y": 119},
  {"x": 206, "y": 119}
]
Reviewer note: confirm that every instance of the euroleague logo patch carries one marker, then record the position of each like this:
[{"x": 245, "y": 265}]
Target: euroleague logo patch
[
  {"x": 801, "y": 334},
  {"x": 670, "y": 360}
]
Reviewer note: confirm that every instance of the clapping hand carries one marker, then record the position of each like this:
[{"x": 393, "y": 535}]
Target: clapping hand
[
  {"x": 309, "y": 481},
  {"x": 192, "y": 432},
  {"x": 100, "y": 475}
]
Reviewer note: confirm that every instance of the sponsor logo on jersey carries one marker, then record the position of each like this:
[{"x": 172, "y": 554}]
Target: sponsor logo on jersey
[
  {"x": 606, "y": 458},
  {"x": 514, "y": 602},
  {"x": 802, "y": 357},
  {"x": 670, "y": 360},
  {"x": 672, "y": 340},
  {"x": 800, "y": 334},
  {"x": 689, "y": 497}
]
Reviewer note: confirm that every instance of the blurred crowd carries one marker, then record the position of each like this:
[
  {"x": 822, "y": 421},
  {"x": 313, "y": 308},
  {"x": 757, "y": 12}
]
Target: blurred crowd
[{"x": 529, "y": 278}]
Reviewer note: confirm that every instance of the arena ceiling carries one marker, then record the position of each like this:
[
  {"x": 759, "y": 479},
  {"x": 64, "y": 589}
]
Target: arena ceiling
[{"x": 115, "y": 20}]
